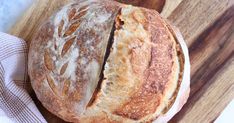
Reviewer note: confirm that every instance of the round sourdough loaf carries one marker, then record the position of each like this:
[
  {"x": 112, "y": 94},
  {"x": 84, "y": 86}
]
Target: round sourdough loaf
[{"x": 102, "y": 61}]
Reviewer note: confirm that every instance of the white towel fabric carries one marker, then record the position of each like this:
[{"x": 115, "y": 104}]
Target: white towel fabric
[{"x": 15, "y": 103}]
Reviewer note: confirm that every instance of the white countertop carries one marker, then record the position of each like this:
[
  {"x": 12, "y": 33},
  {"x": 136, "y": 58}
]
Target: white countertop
[{"x": 10, "y": 11}]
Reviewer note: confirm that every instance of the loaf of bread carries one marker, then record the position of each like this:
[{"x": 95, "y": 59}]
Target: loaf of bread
[{"x": 100, "y": 61}]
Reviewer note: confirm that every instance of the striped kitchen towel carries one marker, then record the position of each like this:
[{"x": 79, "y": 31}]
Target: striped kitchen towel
[{"x": 15, "y": 103}]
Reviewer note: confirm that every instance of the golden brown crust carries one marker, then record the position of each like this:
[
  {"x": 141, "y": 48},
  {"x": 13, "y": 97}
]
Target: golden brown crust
[
  {"x": 66, "y": 56},
  {"x": 156, "y": 76},
  {"x": 141, "y": 76},
  {"x": 147, "y": 49}
]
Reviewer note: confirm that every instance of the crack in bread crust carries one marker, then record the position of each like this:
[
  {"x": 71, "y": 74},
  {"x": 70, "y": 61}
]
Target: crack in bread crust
[
  {"x": 101, "y": 76},
  {"x": 146, "y": 100},
  {"x": 81, "y": 74},
  {"x": 75, "y": 41}
]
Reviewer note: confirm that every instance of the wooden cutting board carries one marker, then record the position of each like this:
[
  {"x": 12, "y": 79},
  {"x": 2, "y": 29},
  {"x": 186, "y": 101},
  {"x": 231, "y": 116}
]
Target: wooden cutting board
[{"x": 208, "y": 29}]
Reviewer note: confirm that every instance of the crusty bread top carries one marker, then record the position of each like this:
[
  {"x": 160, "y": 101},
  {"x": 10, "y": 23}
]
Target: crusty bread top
[
  {"x": 141, "y": 72},
  {"x": 66, "y": 56},
  {"x": 137, "y": 80}
]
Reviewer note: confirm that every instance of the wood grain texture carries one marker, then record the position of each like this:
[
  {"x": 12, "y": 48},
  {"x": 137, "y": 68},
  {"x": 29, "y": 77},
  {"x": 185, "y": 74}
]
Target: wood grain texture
[
  {"x": 165, "y": 7},
  {"x": 208, "y": 54},
  {"x": 214, "y": 41},
  {"x": 169, "y": 7},
  {"x": 207, "y": 104},
  {"x": 208, "y": 28},
  {"x": 192, "y": 17},
  {"x": 212, "y": 49},
  {"x": 151, "y": 4}
]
